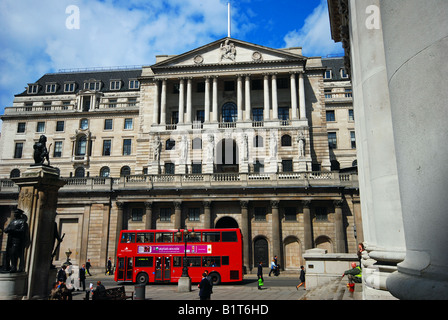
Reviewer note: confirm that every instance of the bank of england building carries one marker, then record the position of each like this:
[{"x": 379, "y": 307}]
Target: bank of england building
[{"x": 230, "y": 134}]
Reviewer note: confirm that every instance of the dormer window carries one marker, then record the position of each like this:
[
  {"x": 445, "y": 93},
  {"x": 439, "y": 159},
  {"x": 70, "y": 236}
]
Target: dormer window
[
  {"x": 92, "y": 85},
  {"x": 134, "y": 84},
  {"x": 69, "y": 87},
  {"x": 327, "y": 74},
  {"x": 115, "y": 85},
  {"x": 33, "y": 88},
  {"x": 344, "y": 74},
  {"x": 50, "y": 87}
]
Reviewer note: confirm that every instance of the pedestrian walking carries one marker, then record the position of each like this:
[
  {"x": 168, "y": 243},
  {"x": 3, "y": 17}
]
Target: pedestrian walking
[
  {"x": 205, "y": 288},
  {"x": 302, "y": 278},
  {"x": 109, "y": 267},
  {"x": 260, "y": 275},
  {"x": 62, "y": 275},
  {"x": 273, "y": 266},
  {"x": 82, "y": 277},
  {"x": 88, "y": 266}
]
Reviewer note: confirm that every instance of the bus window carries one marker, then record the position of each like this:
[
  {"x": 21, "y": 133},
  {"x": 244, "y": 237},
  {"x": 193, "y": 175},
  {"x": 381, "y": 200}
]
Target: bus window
[
  {"x": 144, "y": 261},
  {"x": 211, "y": 236},
  {"x": 229, "y": 236},
  {"x": 196, "y": 238},
  {"x": 128, "y": 237},
  {"x": 177, "y": 261},
  {"x": 211, "y": 261},
  {"x": 193, "y": 261},
  {"x": 145, "y": 237},
  {"x": 225, "y": 260},
  {"x": 164, "y": 237}
]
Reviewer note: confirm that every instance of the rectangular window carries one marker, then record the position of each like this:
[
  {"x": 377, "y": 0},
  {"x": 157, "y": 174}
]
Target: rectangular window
[
  {"x": 260, "y": 213},
  {"x": 283, "y": 113},
  {"x": 21, "y": 126},
  {"x": 165, "y": 214},
  {"x": 169, "y": 168},
  {"x": 330, "y": 115},
  {"x": 229, "y": 236},
  {"x": 257, "y": 114},
  {"x": 127, "y": 146},
  {"x": 60, "y": 126},
  {"x": 134, "y": 84},
  {"x": 145, "y": 237},
  {"x": 165, "y": 237},
  {"x": 108, "y": 124},
  {"x": 18, "y": 149},
  {"x": 193, "y": 214},
  {"x": 132, "y": 102},
  {"x": 327, "y": 74},
  {"x": 211, "y": 262},
  {"x": 33, "y": 88},
  {"x": 321, "y": 214},
  {"x": 287, "y": 165},
  {"x": 332, "y": 141},
  {"x": 196, "y": 168},
  {"x": 50, "y": 88},
  {"x": 115, "y": 85},
  {"x": 113, "y": 103},
  {"x": 211, "y": 236},
  {"x": 128, "y": 124},
  {"x": 107, "y": 145},
  {"x": 144, "y": 261},
  {"x": 69, "y": 87},
  {"x": 40, "y": 127},
  {"x": 353, "y": 139},
  {"x": 57, "y": 149},
  {"x": 137, "y": 214},
  {"x": 290, "y": 214},
  {"x": 351, "y": 116}
]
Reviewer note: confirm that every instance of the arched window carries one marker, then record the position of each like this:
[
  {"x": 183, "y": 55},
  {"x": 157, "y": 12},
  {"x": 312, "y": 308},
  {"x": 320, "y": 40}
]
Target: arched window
[
  {"x": 105, "y": 172},
  {"x": 15, "y": 173},
  {"x": 286, "y": 140},
  {"x": 125, "y": 171},
  {"x": 229, "y": 112},
  {"x": 258, "y": 142},
  {"x": 170, "y": 144},
  {"x": 80, "y": 172}
]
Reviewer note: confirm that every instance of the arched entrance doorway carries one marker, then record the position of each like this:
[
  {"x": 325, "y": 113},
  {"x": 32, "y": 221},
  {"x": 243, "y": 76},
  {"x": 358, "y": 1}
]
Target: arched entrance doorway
[
  {"x": 227, "y": 156},
  {"x": 226, "y": 222},
  {"x": 261, "y": 252}
]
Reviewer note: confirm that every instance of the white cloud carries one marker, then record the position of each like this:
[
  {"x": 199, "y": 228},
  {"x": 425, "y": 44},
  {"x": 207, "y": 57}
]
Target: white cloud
[
  {"x": 34, "y": 38},
  {"x": 314, "y": 37}
]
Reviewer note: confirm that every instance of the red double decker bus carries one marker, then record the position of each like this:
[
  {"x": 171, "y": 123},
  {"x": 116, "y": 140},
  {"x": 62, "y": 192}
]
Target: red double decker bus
[{"x": 149, "y": 256}]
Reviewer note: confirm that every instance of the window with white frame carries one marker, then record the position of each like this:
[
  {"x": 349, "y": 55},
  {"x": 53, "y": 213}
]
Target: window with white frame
[
  {"x": 57, "y": 152},
  {"x": 40, "y": 126},
  {"x": 69, "y": 87},
  {"x": 33, "y": 88},
  {"x": 134, "y": 84},
  {"x": 128, "y": 124},
  {"x": 50, "y": 87},
  {"x": 328, "y": 74},
  {"x": 115, "y": 85}
]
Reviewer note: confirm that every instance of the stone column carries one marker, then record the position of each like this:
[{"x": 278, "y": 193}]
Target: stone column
[
  {"x": 181, "y": 100},
  {"x": 246, "y": 234},
  {"x": 163, "y": 103},
  {"x": 177, "y": 214},
  {"x": 156, "y": 102},
  {"x": 247, "y": 97},
  {"x": 207, "y": 214},
  {"x": 276, "y": 233},
  {"x": 266, "y": 97},
  {"x": 240, "y": 98},
  {"x": 302, "y": 96},
  {"x": 38, "y": 198},
  {"x": 415, "y": 37},
  {"x": 120, "y": 206},
  {"x": 207, "y": 100},
  {"x": 293, "y": 96},
  {"x": 215, "y": 99},
  {"x": 274, "y": 98},
  {"x": 148, "y": 214},
  {"x": 189, "y": 102},
  {"x": 339, "y": 227},
  {"x": 307, "y": 227}
]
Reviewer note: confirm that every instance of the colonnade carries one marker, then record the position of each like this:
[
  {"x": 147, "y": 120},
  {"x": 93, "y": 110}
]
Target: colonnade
[{"x": 244, "y": 97}]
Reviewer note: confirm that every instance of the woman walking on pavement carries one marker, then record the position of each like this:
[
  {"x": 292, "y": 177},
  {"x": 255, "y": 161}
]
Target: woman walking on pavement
[{"x": 302, "y": 278}]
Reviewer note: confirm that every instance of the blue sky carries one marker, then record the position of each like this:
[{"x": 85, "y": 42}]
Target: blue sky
[{"x": 37, "y": 37}]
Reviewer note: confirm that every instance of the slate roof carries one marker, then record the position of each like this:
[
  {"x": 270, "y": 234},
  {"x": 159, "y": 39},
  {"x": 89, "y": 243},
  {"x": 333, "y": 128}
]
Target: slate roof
[
  {"x": 80, "y": 77},
  {"x": 335, "y": 64}
]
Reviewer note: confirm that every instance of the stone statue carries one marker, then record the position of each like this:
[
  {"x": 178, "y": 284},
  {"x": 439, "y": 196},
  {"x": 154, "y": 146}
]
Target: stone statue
[
  {"x": 301, "y": 143},
  {"x": 211, "y": 148},
  {"x": 156, "y": 148},
  {"x": 183, "y": 149},
  {"x": 18, "y": 240},
  {"x": 40, "y": 151},
  {"x": 228, "y": 50},
  {"x": 273, "y": 145}
]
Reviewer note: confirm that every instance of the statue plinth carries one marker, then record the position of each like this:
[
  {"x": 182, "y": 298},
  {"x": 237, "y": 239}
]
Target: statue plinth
[{"x": 38, "y": 197}]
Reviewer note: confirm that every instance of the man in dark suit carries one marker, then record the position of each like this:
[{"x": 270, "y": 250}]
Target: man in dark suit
[
  {"x": 82, "y": 277},
  {"x": 205, "y": 288}
]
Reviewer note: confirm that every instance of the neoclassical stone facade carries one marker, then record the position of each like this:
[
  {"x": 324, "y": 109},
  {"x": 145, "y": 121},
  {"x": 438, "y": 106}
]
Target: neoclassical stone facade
[{"x": 230, "y": 134}]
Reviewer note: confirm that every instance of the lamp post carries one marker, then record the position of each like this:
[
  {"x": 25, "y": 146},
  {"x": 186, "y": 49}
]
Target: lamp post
[{"x": 184, "y": 284}]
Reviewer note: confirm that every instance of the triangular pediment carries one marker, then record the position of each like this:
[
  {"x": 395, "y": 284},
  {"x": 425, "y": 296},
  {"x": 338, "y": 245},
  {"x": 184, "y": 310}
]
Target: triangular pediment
[{"x": 229, "y": 51}]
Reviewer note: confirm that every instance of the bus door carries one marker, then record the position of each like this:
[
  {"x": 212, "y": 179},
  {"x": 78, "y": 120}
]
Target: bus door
[
  {"x": 163, "y": 268},
  {"x": 125, "y": 268}
]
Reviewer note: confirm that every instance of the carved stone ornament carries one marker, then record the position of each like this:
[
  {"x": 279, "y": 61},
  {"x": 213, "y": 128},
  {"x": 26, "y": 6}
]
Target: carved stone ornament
[
  {"x": 256, "y": 56},
  {"x": 198, "y": 59},
  {"x": 228, "y": 51}
]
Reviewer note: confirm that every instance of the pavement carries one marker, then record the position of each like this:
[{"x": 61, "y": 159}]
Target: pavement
[{"x": 282, "y": 288}]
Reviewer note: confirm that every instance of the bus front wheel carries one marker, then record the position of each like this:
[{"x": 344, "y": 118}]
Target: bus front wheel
[
  {"x": 216, "y": 278},
  {"x": 142, "y": 278}
]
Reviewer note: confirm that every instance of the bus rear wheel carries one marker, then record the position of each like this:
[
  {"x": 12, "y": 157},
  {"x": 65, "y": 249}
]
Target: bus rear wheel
[
  {"x": 142, "y": 278},
  {"x": 216, "y": 278}
]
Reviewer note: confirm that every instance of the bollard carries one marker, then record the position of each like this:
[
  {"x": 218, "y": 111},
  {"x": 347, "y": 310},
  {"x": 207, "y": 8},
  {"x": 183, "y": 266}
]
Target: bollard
[{"x": 139, "y": 292}]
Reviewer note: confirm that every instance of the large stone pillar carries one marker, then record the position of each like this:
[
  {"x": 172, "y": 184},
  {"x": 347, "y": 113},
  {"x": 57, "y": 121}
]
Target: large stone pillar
[
  {"x": 416, "y": 44},
  {"x": 156, "y": 102},
  {"x": 339, "y": 227},
  {"x": 181, "y": 100},
  {"x": 207, "y": 214},
  {"x": 38, "y": 198},
  {"x": 276, "y": 233},
  {"x": 274, "y": 98},
  {"x": 307, "y": 227},
  {"x": 266, "y": 97},
  {"x": 302, "y": 96},
  {"x": 215, "y": 99},
  {"x": 148, "y": 215},
  {"x": 189, "y": 101},
  {"x": 247, "y": 102},
  {"x": 163, "y": 103},
  {"x": 293, "y": 95},
  {"x": 239, "y": 98},
  {"x": 177, "y": 214},
  {"x": 245, "y": 232},
  {"x": 207, "y": 100}
]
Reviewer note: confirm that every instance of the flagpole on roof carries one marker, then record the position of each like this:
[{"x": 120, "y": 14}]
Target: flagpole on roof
[{"x": 228, "y": 19}]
